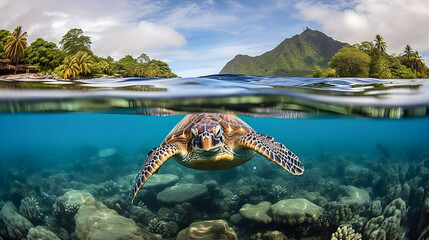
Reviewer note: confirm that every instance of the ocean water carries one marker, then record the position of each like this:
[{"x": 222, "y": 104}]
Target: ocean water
[{"x": 364, "y": 144}]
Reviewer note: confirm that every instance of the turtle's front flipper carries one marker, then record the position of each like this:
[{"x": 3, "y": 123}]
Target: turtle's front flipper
[
  {"x": 274, "y": 151},
  {"x": 155, "y": 158}
]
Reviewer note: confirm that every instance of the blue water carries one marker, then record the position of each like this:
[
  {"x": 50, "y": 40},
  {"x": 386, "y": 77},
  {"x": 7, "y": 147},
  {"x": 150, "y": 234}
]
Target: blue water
[{"x": 333, "y": 125}]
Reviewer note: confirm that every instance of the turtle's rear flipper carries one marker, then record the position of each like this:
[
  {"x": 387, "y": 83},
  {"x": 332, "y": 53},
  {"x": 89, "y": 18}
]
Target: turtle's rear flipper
[
  {"x": 275, "y": 151},
  {"x": 155, "y": 158}
]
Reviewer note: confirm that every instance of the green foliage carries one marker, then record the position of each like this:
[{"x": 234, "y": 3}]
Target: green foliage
[
  {"x": 350, "y": 62},
  {"x": 297, "y": 56},
  {"x": 318, "y": 72},
  {"x": 414, "y": 61},
  {"x": 378, "y": 67},
  {"x": 44, "y": 55},
  {"x": 128, "y": 64},
  {"x": 380, "y": 44},
  {"x": 84, "y": 61},
  {"x": 330, "y": 73},
  {"x": 155, "y": 68},
  {"x": 143, "y": 58},
  {"x": 16, "y": 42},
  {"x": 69, "y": 68},
  {"x": 74, "y": 41},
  {"x": 3, "y": 37}
]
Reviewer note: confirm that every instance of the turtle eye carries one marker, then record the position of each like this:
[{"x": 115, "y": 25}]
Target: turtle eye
[
  {"x": 194, "y": 133},
  {"x": 216, "y": 130}
]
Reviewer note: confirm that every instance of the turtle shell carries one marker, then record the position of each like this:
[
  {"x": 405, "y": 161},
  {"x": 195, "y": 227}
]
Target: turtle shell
[{"x": 229, "y": 123}]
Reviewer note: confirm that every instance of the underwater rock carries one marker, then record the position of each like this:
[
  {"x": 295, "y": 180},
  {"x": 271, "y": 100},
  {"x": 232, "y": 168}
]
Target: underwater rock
[
  {"x": 345, "y": 233},
  {"x": 357, "y": 175},
  {"x": 313, "y": 197},
  {"x": 67, "y": 205},
  {"x": 256, "y": 213},
  {"x": 269, "y": 235},
  {"x": 161, "y": 181},
  {"x": 73, "y": 197},
  {"x": 95, "y": 221},
  {"x": 55, "y": 184},
  {"x": 12, "y": 224},
  {"x": 181, "y": 193},
  {"x": 30, "y": 209},
  {"x": 41, "y": 233},
  {"x": 295, "y": 211},
  {"x": 356, "y": 198},
  {"x": 208, "y": 230}
]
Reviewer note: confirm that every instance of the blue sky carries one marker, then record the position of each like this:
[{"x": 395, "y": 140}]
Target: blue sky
[{"x": 199, "y": 37}]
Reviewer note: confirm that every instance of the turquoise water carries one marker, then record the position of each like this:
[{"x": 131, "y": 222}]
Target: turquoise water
[{"x": 354, "y": 137}]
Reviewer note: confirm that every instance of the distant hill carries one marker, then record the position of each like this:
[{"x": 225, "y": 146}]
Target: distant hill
[{"x": 296, "y": 56}]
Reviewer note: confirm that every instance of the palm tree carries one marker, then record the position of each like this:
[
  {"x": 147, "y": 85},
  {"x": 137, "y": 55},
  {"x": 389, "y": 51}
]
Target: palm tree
[
  {"x": 84, "y": 62},
  {"x": 380, "y": 44},
  {"x": 15, "y": 44},
  {"x": 69, "y": 67}
]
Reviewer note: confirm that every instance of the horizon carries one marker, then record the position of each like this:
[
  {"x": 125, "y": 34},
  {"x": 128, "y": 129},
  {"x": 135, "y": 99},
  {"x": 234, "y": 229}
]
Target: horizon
[{"x": 199, "y": 38}]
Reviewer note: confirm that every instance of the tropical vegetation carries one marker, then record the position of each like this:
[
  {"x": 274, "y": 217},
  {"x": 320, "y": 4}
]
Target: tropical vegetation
[
  {"x": 73, "y": 57},
  {"x": 369, "y": 59},
  {"x": 16, "y": 42}
]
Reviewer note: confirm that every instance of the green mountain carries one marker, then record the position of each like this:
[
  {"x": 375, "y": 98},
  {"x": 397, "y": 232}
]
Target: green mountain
[{"x": 296, "y": 56}]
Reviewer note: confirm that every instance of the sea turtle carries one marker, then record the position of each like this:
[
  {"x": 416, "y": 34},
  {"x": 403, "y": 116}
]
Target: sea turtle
[{"x": 214, "y": 141}]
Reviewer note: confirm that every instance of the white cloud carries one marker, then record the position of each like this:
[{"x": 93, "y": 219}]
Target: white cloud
[
  {"x": 111, "y": 24},
  {"x": 400, "y": 22},
  {"x": 134, "y": 39}
]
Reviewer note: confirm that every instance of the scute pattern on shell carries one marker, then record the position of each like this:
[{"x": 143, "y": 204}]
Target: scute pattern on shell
[{"x": 229, "y": 123}]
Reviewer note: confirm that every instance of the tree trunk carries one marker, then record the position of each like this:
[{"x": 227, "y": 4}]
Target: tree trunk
[{"x": 16, "y": 67}]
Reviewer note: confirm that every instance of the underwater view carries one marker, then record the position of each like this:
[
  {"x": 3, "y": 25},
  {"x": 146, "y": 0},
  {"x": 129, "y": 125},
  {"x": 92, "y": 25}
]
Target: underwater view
[{"x": 72, "y": 158}]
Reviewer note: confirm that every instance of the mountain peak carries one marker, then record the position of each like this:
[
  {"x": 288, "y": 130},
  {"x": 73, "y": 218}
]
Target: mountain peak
[{"x": 296, "y": 56}]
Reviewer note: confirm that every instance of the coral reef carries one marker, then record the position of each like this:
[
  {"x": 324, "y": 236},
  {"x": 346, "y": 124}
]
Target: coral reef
[
  {"x": 208, "y": 230},
  {"x": 158, "y": 226},
  {"x": 30, "y": 209},
  {"x": 269, "y": 235},
  {"x": 345, "y": 233}
]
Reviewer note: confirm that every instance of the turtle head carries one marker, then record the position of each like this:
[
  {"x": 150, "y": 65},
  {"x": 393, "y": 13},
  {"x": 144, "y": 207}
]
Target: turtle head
[{"x": 207, "y": 137}]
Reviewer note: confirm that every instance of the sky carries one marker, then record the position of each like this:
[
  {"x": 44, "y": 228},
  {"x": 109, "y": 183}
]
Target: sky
[{"x": 198, "y": 37}]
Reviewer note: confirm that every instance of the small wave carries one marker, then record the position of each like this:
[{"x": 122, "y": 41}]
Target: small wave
[{"x": 291, "y": 97}]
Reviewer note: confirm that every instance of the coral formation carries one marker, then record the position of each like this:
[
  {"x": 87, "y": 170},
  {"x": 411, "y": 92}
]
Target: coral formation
[
  {"x": 30, "y": 209},
  {"x": 269, "y": 235},
  {"x": 158, "y": 226},
  {"x": 345, "y": 233},
  {"x": 388, "y": 225},
  {"x": 208, "y": 230}
]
